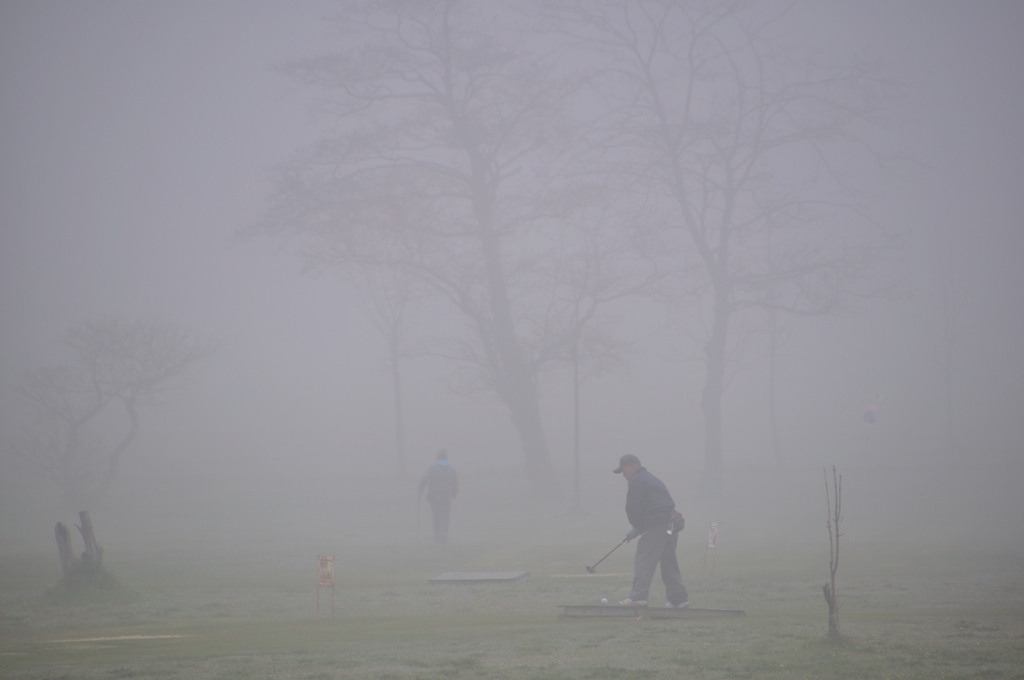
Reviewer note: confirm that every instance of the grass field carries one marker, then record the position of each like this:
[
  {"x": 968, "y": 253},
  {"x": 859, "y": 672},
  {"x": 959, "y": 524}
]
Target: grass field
[{"x": 905, "y": 614}]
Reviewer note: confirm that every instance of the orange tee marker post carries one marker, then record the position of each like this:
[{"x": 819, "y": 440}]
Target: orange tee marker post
[
  {"x": 325, "y": 579},
  {"x": 712, "y": 544}
]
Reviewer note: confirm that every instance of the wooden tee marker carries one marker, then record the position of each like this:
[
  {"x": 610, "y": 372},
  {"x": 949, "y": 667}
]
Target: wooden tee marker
[
  {"x": 712, "y": 544},
  {"x": 325, "y": 579}
]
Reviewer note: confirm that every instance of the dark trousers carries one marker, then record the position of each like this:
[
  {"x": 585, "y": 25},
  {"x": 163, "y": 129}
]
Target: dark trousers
[
  {"x": 655, "y": 547},
  {"x": 441, "y": 510}
]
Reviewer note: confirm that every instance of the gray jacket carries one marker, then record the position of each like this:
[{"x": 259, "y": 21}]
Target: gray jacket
[{"x": 441, "y": 482}]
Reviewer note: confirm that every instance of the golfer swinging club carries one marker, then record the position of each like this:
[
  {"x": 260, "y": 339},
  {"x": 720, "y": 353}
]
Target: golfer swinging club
[{"x": 652, "y": 514}]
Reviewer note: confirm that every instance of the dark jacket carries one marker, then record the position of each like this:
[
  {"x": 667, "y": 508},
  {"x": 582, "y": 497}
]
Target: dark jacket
[
  {"x": 648, "y": 502},
  {"x": 441, "y": 482}
]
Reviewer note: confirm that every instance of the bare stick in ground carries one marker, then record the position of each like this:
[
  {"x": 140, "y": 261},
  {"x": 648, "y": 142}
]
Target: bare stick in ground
[
  {"x": 834, "y": 516},
  {"x": 93, "y": 552},
  {"x": 67, "y": 558}
]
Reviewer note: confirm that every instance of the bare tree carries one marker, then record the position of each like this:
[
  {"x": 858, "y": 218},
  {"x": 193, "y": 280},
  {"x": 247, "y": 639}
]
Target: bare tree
[
  {"x": 735, "y": 138},
  {"x": 120, "y": 361},
  {"x": 597, "y": 265},
  {"x": 446, "y": 144},
  {"x": 386, "y": 298}
]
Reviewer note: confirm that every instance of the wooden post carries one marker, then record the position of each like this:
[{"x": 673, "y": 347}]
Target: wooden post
[
  {"x": 67, "y": 557},
  {"x": 93, "y": 551}
]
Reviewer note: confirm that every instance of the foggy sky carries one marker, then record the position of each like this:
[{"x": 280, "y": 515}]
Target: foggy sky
[{"x": 136, "y": 138}]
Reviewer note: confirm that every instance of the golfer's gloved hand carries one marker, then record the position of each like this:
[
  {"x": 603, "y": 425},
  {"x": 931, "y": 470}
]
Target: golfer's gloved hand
[{"x": 633, "y": 533}]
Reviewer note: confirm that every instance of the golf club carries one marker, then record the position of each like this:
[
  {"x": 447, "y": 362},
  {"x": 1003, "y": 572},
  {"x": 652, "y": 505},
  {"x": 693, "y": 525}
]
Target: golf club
[{"x": 593, "y": 568}]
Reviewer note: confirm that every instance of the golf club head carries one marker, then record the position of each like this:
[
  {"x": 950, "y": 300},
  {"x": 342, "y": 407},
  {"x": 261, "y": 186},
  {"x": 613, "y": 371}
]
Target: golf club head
[{"x": 591, "y": 570}]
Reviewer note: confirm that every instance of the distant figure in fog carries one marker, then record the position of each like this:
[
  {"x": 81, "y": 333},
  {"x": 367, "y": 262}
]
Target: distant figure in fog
[
  {"x": 442, "y": 485},
  {"x": 872, "y": 409}
]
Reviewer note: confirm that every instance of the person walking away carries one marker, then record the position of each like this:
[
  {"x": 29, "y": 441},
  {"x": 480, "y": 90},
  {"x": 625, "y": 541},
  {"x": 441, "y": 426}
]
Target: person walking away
[
  {"x": 652, "y": 514},
  {"x": 442, "y": 485}
]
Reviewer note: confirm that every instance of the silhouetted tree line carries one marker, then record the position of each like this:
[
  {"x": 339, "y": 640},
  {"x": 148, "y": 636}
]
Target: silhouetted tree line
[{"x": 532, "y": 163}]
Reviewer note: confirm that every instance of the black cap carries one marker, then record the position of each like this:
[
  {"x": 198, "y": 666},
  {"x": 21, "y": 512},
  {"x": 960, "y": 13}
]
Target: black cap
[{"x": 628, "y": 459}]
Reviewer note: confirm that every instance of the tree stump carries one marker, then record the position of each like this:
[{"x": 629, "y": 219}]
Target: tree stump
[
  {"x": 67, "y": 557},
  {"x": 93, "y": 552}
]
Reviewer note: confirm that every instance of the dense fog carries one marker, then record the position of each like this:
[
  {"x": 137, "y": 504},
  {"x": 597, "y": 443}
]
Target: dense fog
[{"x": 151, "y": 168}]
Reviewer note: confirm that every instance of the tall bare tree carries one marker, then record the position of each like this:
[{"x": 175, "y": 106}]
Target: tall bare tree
[
  {"x": 735, "y": 137},
  {"x": 387, "y": 296},
  {"x": 603, "y": 257},
  {"x": 447, "y": 134},
  {"x": 124, "y": 362}
]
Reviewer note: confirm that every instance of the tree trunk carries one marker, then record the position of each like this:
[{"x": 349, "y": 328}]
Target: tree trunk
[
  {"x": 516, "y": 383},
  {"x": 93, "y": 552},
  {"x": 396, "y": 380},
  {"x": 714, "y": 383},
  {"x": 947, "y": 376},
  {"x": 773, "y": 349},
  {"x": 576, "y": 425},
  {"x": 833, "y": 611},
  {"x": 950, "y": 299},
  {"x": 524, "y": 407},
  {"x": 115, "y": 456},
  {"x": 67, "y": 557}
]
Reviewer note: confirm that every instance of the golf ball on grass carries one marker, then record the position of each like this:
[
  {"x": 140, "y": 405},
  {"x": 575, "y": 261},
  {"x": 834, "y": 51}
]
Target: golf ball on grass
[{"x": 604, "y": 600}]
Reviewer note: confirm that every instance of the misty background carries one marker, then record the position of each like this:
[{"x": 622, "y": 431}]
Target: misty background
[{"x": 138, "y": 139}]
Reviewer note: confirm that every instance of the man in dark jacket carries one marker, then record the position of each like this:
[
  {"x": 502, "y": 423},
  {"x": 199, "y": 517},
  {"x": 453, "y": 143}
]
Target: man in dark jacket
[
  {"x": 652, "y": 514},
  {"x": 442, "y": 485}
]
